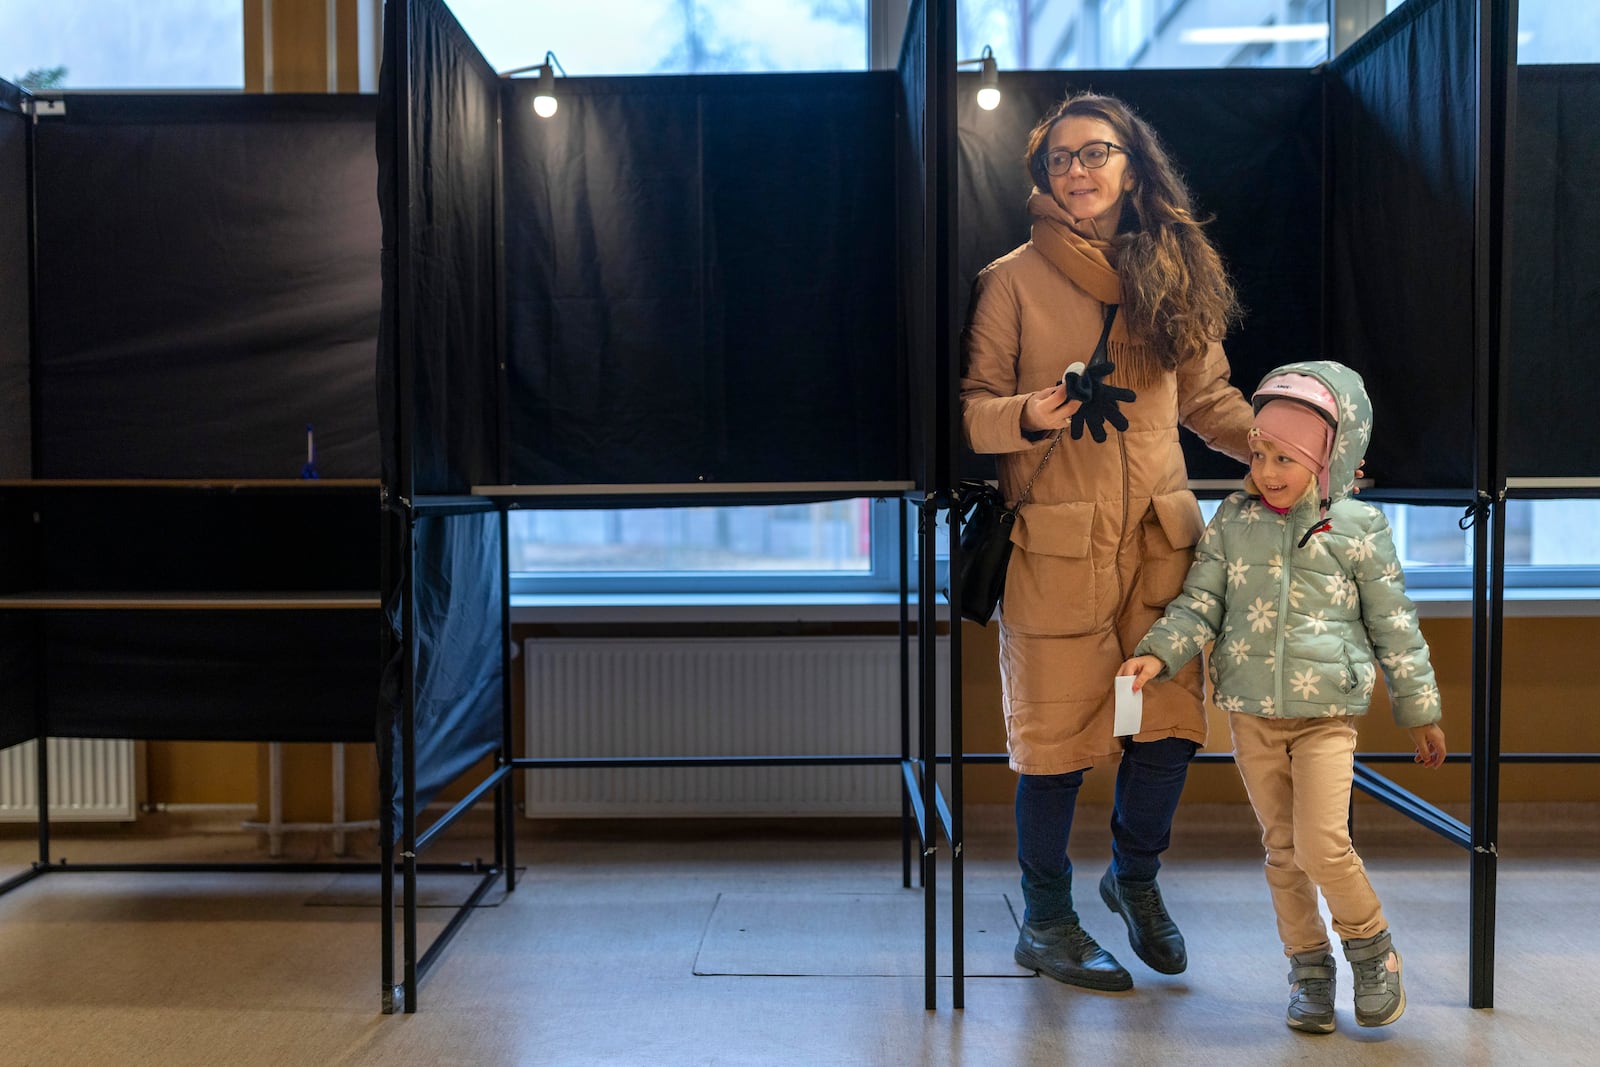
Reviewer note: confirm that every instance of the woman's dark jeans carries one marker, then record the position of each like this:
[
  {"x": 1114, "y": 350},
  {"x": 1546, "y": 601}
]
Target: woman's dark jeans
[{"x": 1149, "y": 782}]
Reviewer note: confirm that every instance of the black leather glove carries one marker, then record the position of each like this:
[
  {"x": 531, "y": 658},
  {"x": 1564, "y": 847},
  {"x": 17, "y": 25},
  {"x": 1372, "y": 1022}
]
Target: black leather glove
[
  {"x": 1100, "y": 401},
  {"x": 1079, "y": 386}
]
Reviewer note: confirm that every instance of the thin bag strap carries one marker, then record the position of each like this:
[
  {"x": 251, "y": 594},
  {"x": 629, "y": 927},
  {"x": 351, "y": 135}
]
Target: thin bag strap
[
  {"x": 1023, "y": 499},
  {"x": 1105, "y": 332},
  {"x": 1098, "y": 357}
]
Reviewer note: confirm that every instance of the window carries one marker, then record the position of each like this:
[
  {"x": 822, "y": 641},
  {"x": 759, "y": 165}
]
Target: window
[
  {"x": 1108, "y": 34},
  {"x": 842, "y": 545},
  {"x": 1548, "y": 543},
  {"x": 1557, "y": 31},
  {"x": 1552, "y": 31},
  {"x": 153, "y": 44},
  {"x": 660, "y": 37}
]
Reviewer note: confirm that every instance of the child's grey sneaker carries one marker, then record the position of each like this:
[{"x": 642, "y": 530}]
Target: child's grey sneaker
[
  {"x": 1380, "y": 993},
  {"x": 1311, "y": 977}
]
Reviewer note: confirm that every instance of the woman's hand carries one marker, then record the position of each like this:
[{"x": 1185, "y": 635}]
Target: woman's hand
[
  {"x": 1429, "y": 743},
  {"x": 1143, "y": 669},
  {"x": 1049, "y": 409}
]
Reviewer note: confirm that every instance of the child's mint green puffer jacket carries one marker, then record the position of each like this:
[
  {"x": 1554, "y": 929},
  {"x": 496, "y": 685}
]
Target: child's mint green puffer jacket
[{"x": 1298, "y": 619}]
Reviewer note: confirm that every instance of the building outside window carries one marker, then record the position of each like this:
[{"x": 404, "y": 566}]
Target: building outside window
[{"x": 104, "y": 44}]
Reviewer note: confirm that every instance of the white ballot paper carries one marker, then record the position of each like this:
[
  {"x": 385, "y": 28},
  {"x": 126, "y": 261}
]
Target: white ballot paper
[{"x": 1130, "y": 708}]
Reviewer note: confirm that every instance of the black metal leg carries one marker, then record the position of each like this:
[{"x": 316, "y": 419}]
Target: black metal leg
[
  {"x": 505, "y": 807},
  {"x": 958, "y": 909},
  {"x": 408, "y": 769},
  {"x": 904, "y": 709},
  {"x": 1489, "y": 609},
  {"x": 386, "y": 890},
  {"x": 42, "y": 780},
  {"x": 927, "y": 697}
]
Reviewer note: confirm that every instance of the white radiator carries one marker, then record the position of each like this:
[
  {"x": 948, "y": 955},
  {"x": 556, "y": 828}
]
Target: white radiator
[
  {"x": 781, "y": 696},
  {"x": 91, "y": 780}
]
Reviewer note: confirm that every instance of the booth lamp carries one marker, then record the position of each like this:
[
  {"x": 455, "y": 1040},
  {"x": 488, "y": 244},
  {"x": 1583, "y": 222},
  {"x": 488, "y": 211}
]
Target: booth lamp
[
  {"x": 544, "y": 94},
  {"x": 988, "y": 78}
]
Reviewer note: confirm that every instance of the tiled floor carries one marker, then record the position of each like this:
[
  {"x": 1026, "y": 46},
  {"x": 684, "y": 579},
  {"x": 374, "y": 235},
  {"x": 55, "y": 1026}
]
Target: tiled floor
[{"x": 593, "y": 959}]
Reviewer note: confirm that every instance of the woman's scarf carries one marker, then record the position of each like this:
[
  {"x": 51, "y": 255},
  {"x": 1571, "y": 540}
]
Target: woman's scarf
[{"x": 1091, "y": 266}]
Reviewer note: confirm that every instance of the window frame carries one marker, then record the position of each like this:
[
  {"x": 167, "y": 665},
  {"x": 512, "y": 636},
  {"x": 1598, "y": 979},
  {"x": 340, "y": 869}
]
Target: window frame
[{"x": 882, "y": 574}]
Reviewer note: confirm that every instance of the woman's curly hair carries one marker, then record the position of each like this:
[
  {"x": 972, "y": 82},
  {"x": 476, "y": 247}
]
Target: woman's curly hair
[{"x": 1176, "y": 294}]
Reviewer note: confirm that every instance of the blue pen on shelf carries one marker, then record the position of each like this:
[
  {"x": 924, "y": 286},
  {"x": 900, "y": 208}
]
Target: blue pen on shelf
[{"x": 310, "y": 469}]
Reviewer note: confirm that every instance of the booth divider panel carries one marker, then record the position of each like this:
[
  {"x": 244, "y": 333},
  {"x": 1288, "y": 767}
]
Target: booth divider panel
[
  {"x": 18, "y": 681},
  {"x": 155, "y": 540},
  {"x": 914, "y": 269},
  {"x": 1555, "y": 276},
  {"x": 207, "y": 287},
  {"x": 18, "y": 637},
  {"x": 802, "y": 365},
  {"x": 211, "y": 676},
  {"x": 1402, "y": 144},
  {"x": 452, "y": 303},
  {"x": 700, "y": 281},
  {"x": 458, "y": 679},
  {"x": 16, "y": 422}
]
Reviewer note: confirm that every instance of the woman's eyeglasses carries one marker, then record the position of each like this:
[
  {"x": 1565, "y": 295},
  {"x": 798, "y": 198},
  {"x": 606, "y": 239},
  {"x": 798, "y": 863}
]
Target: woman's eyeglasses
[{"x": 1093, "y": 156}]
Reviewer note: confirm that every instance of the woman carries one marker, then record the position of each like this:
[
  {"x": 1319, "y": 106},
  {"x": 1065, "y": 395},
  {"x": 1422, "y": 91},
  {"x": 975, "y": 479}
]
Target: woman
[{"x": 1105, "y": 538}]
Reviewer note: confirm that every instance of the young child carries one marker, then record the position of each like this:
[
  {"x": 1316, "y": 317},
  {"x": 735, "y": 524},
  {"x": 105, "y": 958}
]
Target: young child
[{"x": 1298, "y": 584}]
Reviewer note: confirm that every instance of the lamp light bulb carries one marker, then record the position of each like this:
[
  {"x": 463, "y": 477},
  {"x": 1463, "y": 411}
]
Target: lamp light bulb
[
  {"x": 988, "y": 82},
  {"x": 544, "y": 94}
]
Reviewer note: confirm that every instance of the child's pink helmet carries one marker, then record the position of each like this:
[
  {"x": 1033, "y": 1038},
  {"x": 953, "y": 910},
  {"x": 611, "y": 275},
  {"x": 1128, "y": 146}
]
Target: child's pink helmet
[
  {"x": 1302, "y": 387},
  {"x": 1306, "y": 392}
]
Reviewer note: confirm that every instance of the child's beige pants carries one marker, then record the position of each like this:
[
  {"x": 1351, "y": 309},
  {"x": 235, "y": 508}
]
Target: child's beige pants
[{"x": 1298, "y": 774}]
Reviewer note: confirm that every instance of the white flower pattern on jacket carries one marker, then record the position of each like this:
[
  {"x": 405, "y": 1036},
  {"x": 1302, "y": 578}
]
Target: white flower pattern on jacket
[
  {"x": 1321, "y": 617},
  {"x": 1305, "y": 683}
]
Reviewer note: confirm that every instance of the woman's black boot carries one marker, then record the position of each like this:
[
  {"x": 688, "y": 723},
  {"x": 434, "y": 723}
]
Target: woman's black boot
[{"x": 1065, "y": 951}]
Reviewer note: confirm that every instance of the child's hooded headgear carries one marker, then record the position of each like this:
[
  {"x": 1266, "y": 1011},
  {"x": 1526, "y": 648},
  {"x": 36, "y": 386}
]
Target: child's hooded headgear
[{"x": 1319, "y": 408}]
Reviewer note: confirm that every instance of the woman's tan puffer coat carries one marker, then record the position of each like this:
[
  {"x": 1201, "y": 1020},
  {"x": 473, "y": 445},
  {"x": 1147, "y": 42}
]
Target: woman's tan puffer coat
[{"x": 1107, "y": 535}]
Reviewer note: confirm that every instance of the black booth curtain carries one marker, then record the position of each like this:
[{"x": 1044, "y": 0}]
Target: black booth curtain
[
  {"x": 16, "y": 642},
  {"x": 1555, "y": 281},
  {"x": 1402, "y": 143},
  {"x": 1247, "y": 143},
  {"x": 207, "y": 287},
  {"x": 18, "y": 649},
  {"x": 439, "y": 112},
  {"x": 457, "y": 681},
  {"x": 701, "y": 280},
  {"x": 913, "y": 206},
  {"x": 200, "y": 675},
  {"x": 16, "y": 452},
  {"x": 192, "y": 674},
  {"x": 18, "y": 682},
  {"x": 438, "y": 151}
]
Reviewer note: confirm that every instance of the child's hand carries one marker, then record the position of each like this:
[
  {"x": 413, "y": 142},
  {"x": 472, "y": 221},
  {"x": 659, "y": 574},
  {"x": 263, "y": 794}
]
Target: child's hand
[
  {"x": 1144, "y": 669},
  {"x": 1429, "y": 743}
]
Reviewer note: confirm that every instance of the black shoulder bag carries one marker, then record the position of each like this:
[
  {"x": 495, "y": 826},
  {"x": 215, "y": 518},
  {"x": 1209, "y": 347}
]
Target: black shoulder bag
[{"x": 986, "y": 525}]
